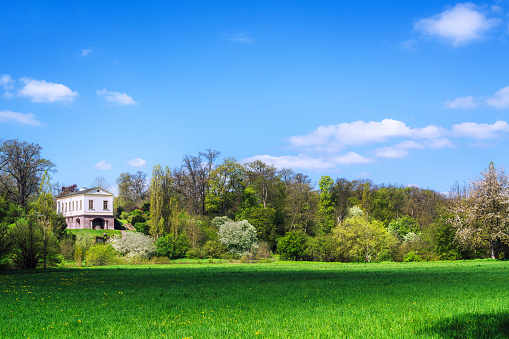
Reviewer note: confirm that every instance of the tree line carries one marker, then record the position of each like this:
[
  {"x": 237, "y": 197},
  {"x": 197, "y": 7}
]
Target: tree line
[{"x": 183, "y": 209}]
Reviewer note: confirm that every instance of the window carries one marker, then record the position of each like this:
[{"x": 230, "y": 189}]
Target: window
[
  {"x": 81, "y": 206},
  {"x": 73, "y": 206},
  {"x": 105, "y": 204},
  {"x": 90, "y": 204},
  {"x": 66, "y": 207}
]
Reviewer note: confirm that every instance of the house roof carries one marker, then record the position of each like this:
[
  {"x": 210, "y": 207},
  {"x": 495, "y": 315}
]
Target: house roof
[{"x": 82, "y": 192}]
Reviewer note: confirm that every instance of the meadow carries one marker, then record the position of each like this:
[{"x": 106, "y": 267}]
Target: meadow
[{"x": 457, "y": 299}]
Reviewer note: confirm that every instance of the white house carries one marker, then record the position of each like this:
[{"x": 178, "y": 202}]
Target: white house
[{"x": 87, "y": 208}]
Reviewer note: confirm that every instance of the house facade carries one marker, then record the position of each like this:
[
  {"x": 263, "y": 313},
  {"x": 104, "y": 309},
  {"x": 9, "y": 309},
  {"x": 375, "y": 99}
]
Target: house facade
[{"x": 87, "y": 208}]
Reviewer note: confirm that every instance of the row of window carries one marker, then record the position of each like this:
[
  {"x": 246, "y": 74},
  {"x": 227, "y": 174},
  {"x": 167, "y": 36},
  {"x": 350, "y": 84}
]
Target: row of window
[{"x": 74, "y": 207}]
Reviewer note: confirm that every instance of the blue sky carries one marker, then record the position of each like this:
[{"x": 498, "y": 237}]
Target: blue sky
[{"x": 407, "y": 93}]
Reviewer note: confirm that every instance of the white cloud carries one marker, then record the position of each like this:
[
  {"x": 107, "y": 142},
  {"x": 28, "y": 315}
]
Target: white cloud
[
  {"x": 137, "y": 162},
  {"x": 301, "y": 161},
  {"x": 86, "y": 52},
  {"x": 6, "y": 82},
  {"x": 20, "y": 118},
  {"x": 460, "y": 24},
  {"x": 500, "y": 99},
  {"x": 43, "y": 91},
  {"x": 398, "y": 151},
  {"x": 116, "y": 97},
  {"x": 363, "y": 174},
  {"x": 350, "y": 158},
  {"x": 461, "y": 103},
  {"x": 103, "y": 165},
  {"x": 480, "y": 131},
  {"x": 240, "y": 37},
  {"x": 438, "y": 143},
  {"x": 361, "y": 133}
]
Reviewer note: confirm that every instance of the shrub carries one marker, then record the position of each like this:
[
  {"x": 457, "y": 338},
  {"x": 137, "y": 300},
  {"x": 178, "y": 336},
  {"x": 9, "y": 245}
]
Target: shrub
[
  {"x": 263, "y": 250},
  {"x": 292, "y": 245},
  {"x": 238, "y": 237},
  {"x": 195, "y": 253},
  {"x": 213, "y": 249},
  {"x": 168, "y": 247},
  {"x": 134, "y": 244},
  {"x": 100, "y": 255},
  {"x": 411, "y": 256},
  {"x": 78, "y": 255},
  {"x": 142, "y": 227},
  {"x": 67, "y": 248}
]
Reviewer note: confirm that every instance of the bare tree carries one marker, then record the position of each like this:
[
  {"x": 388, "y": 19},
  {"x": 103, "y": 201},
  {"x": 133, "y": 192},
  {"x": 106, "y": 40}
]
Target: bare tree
[
  {"x": 21, "y": 169},
  {"x": 100, "y": 182}
]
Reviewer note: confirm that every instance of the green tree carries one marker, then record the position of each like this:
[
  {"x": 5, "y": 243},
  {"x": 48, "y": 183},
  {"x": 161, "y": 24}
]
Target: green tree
[
  {"x": 21, "y": 169},
  {"x": 161, "y": 202},
  {"x": 292, "y": 246},
  {"x": 326, "y": 206},
  {"x": 225, "y": 187}
]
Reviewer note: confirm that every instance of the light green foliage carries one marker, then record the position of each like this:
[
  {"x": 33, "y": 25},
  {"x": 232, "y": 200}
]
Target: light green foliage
[
  {"x": 238, "y": 237},
  {"x": 28, "y": 244},
  {"x": 213, "y": 249},
  {"x": 326, "y": 206},
  {"x": 292, "y": 246},
  {"x": 355, "y": 211},
  {"x": 172, "y": 248},
  {"x": 134, "y": 244},
  {"x": 78, "y": 255},
  {"x": 161, "y": 201},
  {"x": 100, "y": 255},
  {"x": 403, "y": 226},
  {"x": 225, "y": 187},
  {"x": 411, "y": 257},
  {"x": 364, "y": 241},
  {"x": 323, "y": 248},
  {"x": 219, "y": 221}
]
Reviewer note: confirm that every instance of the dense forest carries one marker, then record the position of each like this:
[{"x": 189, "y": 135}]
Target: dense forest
[{"x": 206, "y": 209}]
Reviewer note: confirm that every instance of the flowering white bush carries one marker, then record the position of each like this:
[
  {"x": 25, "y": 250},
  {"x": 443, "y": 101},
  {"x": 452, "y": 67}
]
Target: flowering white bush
[
  {"x": 134, "y": 244},
  {"x": 238, "y": 237}
]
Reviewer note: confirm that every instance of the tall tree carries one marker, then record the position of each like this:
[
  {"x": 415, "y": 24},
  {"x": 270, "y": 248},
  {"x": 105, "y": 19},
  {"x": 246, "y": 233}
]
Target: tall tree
[
  {"x": 226, "y": 187},
  {"x": 486, "y": 210},
  {"x": 326, "y": 206},
  {"x": 21, "y": 169},
  {"x": 132, "y": 189},
  {"x": 161, "y": 193}
]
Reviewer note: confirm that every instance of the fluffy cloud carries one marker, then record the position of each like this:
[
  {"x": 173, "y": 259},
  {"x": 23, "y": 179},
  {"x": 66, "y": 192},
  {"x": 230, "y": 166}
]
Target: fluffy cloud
[
  {"x": 460, "y": 24},
  {"x": 500, "y": 99},
  {"x": 480, "y": 131},
  {"x": 116, "y": 97},
  {"x": 461, "y": 103},
  {"x": 361, "y": 133},
  {"x": 103, "y": 165},
  {"x": 321, "y": 149},
  {"x": 20, "y": 118},
  {"x": 137, "y": 162},
  {"x": 301, "y": 161},
  {"x": 43, "y": 91}
]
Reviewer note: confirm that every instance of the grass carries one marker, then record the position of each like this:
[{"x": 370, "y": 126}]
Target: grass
[
  {"x": 457, "y": 299},
  {"x": 95, "y": 233}
]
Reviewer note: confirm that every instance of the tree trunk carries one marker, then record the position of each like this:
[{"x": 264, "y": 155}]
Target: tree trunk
[{"x": 492, "y": 247}]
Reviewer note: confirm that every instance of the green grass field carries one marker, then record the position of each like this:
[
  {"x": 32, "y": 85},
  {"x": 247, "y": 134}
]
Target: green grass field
[{"x": 463, "y": 299}]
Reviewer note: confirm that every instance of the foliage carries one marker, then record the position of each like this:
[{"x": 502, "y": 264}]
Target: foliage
[
  {"x": 326, "y": 206},
  {"x": 142, "y": 227},
  {"x": 172, "y": 248},
  {"x": 323, "y": 248},
  {"x": 195, "y": 253},
  {"x": 292, "y": 245},
  {"x": 67, "y": 248},
  {"x": 134, "y": 244},
  {"x": 225, "y": 187},
  {"x": 238, "y": 237},
  {"x": 213, "y": 249},
  {"x": 78, "y": 255},
  {"x": 101, "y": 254},
  {"x": 403, "y": 226},
  {"x": 21, "y": 169},
  {"x": 411, "y": 256},
  {"x": 364, "y": 241},
  {"x": 161, "y": 202}
]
